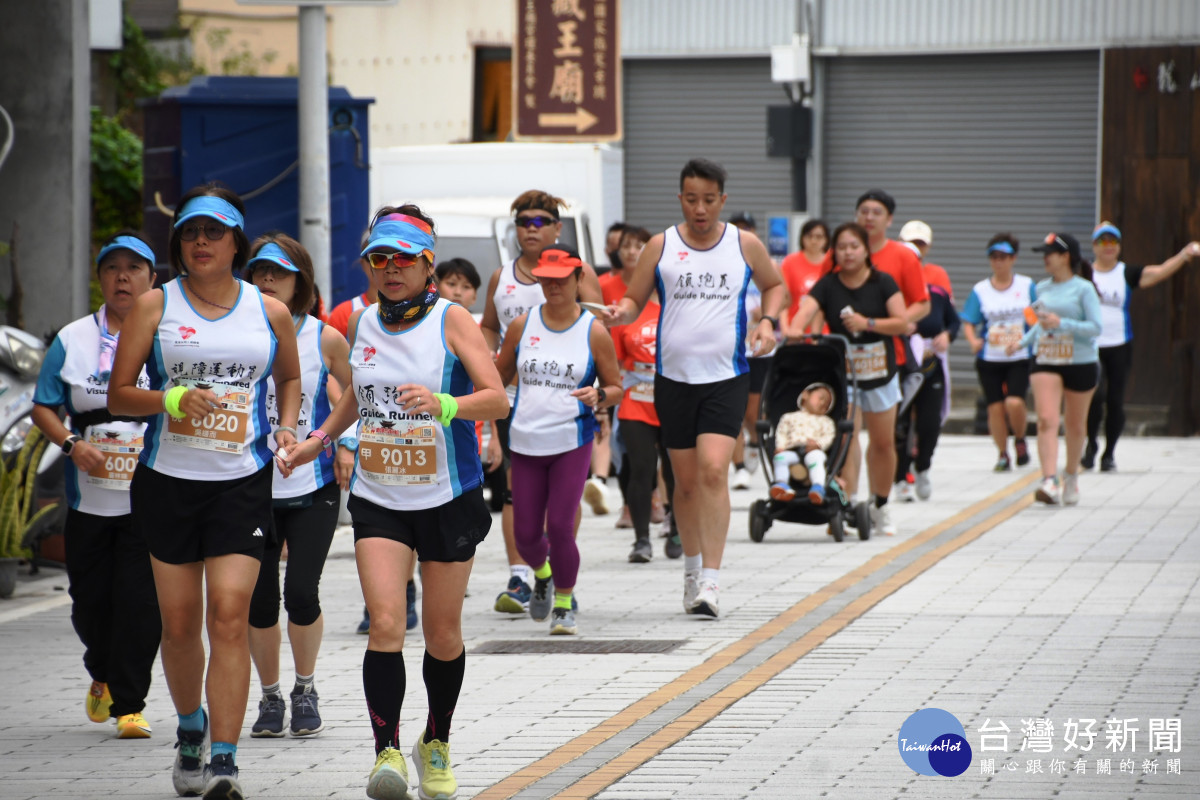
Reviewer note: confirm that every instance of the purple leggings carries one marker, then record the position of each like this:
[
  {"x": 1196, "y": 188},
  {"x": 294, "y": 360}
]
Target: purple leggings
[{"x": 547, "y": 489}]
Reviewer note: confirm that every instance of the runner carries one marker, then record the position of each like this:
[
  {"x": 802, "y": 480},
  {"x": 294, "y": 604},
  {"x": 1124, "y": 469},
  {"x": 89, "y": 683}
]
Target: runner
[
  {"x": 512, "y": 291},
  {"x": 114, "y": 609},
  {"x": 306, "y": 503},
  {"x": 802, "y": 269},
  {"x": 874, "y": 212},
  {"x": 1065, "y": 370},
  {"x": 701, "y": 269},
  {"x": 1115, "y": 281},
  {"x": 993, "y": 318},
  {"x": 866, "y": 306},
  {"x": 201, "y": 492},
  {"x": 930, "y": 346},
  {"x": 554, "y": 352},
  {"x": 636, "y": 345},
  {"x": 421, "y": 374},
  {"x": 743, "y": 466}
]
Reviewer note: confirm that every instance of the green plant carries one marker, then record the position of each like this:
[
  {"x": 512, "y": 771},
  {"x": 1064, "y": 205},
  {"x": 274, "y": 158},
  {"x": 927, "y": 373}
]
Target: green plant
[
  {"x": 116, "y": 177},
  {"x": 17, "y": 481}
]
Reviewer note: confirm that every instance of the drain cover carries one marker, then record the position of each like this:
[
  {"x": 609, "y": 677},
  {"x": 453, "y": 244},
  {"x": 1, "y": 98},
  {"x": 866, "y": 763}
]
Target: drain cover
[{"x": 581, "y": 646}]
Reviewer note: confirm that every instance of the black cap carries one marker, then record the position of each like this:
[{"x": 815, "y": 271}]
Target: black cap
[
  {"x": 1060, "y": 243},
  {"x": 743, "y": 218},
  {"x": 879, "y": 195}
]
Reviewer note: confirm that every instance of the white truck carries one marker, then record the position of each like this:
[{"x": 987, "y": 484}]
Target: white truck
[{"x": 468, "y": 188}]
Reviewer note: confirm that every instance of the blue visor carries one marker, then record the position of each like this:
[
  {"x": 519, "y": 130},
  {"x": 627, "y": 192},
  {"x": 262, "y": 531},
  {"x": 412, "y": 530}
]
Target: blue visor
[
  {"x": 213, "y": 207},
  {"x": 1002, "y": 247},
  {"x": 402, "y": 236},
  {"x": 272, "y": 253},
  {"x": 1106, "y": 227},
  {"x": 127, "y": 243}
]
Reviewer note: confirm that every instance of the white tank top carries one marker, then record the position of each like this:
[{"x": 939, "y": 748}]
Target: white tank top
[
  {"x": 105, "y": 490},
  {"x": 409, "y": 462},
  {"x": 513, "y": 297},
  {"x": 546, "y": 419},
  {"x": 1116, "y": 324},
  {"x": 1003, "y": 314},
  {"x": 231, "y": 356},
  {"x": 314, "y": 408},
  {"x": 702, "y": 324}
]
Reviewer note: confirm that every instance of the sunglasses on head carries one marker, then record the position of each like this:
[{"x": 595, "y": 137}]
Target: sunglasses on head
[
  {"x": 402, "y": 260},
  {"x": 535, "y": 222},
  {"x": 212, "y": 229}
]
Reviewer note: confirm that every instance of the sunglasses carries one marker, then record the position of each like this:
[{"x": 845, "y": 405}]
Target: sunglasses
[
  {"x": 535, "y": 222},
  {"x": 402, "y": 260},
  {"x": 1108, "y": 239},
  {"x": 213, "y": 231}
]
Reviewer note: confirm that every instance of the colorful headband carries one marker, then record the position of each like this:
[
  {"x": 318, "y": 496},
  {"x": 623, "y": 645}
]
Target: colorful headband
[{"x": 406, "y": 234}]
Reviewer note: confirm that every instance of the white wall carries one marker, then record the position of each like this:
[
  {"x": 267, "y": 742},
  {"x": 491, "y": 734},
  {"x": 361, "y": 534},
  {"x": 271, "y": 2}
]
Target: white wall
[{"x": 417, "y": 60}]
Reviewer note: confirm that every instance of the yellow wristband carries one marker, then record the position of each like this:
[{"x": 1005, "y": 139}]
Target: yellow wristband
[{"x": 171, "y": 400}]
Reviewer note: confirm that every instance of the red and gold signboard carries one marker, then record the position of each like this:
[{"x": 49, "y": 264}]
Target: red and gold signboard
[{"x": 567, "y": 71}]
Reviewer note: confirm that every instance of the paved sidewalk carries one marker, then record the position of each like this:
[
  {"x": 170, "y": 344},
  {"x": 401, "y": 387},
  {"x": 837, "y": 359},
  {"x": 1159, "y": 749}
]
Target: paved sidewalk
[{"x": 987, "y": 607}]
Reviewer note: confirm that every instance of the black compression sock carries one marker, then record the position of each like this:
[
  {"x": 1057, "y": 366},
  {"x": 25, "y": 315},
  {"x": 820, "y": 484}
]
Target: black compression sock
[
  {"x": 383, "y": 684},
  {"x": 443, "y": 682}
]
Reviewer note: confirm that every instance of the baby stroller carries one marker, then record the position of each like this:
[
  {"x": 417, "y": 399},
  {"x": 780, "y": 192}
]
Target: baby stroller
[{"x": 794, "y": 367}]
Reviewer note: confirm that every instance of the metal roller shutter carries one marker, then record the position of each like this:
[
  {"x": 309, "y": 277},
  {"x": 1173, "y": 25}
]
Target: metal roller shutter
[
  {"x": 676, "y": 109},
  {"x": 972, "y": 145}
]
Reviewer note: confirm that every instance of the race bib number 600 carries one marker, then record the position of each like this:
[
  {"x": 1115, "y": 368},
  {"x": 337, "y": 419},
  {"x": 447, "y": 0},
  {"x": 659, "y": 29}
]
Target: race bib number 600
[
  {"x": 120, "y": 450},
  {"x": 223, "y": 430}
]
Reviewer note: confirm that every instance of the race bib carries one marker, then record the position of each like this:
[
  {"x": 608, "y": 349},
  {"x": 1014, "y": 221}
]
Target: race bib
[
  {"x": 1001, "y": 334},
  {"x": 1056, "y": 347},
  {"x": 398, "y": 452},
  {"x": 643, "y": 390},
  {"x": 120, "y": 450},
  {"x": 223, "y": 430},
  {"x": 869, "y": 360}
]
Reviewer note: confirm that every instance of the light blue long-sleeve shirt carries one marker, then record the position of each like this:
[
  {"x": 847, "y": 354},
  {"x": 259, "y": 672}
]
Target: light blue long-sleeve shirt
[{"x": 1077, "y": 305}]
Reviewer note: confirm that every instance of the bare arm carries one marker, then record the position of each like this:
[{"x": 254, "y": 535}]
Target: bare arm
[
  {"x": 285, "y": 369},
  {"x": 133, "y": 349},
  {"x": 894, "y": 324},
  {"x": 464, "y": 339},
  {"x": 606, "y": 368},
  {"x": 797, "y": 325},
  {"x": 766, "y": 277},
  {"x": 1160, "y": 272},
  {"x": 490, "y": 323},
  {"x": 640, "y": 284},
  {"x": 84, "y": 455},
  {"x": 336, "y": 351},
  {"x": 506, "y": 360}
]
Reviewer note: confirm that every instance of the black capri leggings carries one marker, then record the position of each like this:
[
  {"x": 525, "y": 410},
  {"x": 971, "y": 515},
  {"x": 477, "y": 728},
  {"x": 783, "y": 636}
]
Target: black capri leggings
[
  {"x": 1115, "y": 366},
  {"x": 308, "y": 532},
  {"x": 639, "y": 471}
]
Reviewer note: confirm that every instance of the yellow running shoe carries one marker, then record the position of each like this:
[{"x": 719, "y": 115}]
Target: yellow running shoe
[
  {"x": 432, "y": 761},
  {"x": 389, "y": 778},
  {"x": 98, "y": 702},
  {"x": 133, "y": 726}
]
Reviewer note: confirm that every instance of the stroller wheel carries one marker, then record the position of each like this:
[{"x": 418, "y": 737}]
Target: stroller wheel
[
  {"x": 836, "y": 529},
  {"x": 759, "y": 521},
  {"x": 862, "y": 520}
]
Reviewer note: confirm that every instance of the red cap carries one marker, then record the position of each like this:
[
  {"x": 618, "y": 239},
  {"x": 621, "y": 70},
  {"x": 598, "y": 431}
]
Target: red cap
[{"x": 556, "y": 262}]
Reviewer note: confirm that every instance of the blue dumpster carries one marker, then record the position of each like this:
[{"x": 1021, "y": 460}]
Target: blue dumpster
[{"x": 243, "y": 131}]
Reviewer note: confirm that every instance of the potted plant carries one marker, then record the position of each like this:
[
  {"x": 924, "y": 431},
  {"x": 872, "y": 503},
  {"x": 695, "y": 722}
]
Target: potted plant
[{"x": 17, "y": 516}]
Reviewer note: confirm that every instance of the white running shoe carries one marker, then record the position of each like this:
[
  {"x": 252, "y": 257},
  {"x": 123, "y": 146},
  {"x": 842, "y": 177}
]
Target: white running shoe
[
  {"x": 903, "y": 492},
  {"x": 881, "y": 520},
  {"x": 924, "y": 485},
  {"x": 708, "y": 600},
  {"x": 752, "y": 461},
  {"x": 595, "y": 494},
  {"x": 691, "y": 588},
  {"x": 741, "y": 479},
  {"x": 1049, "y": 492},
  {"x": 1070, "y": 490}
]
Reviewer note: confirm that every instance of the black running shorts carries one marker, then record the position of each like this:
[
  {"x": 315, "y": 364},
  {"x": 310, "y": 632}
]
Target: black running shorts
[
  {"x": 1001, "y": 379},
  {"x": 687, "y": 410},
  {"x": 446, "y": 533},
  {"x": 1075, "y": 377}
]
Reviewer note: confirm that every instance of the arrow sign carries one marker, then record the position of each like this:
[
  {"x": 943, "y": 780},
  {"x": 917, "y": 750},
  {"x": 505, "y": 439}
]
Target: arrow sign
[{"x": 581, "y": 119}]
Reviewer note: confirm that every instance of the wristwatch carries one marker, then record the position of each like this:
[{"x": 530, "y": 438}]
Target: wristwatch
[
  {"x": 773, "y": 320},
  {"x": 600, "y": 396},
  {"x": 871, "y": 323},
  {"x": 69, "y": 444}
]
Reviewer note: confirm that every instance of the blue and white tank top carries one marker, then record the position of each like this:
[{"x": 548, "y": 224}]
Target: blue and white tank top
[
  {"x": 546, "y": 419},
  {"x": 702, "y": 321},
  {"x": 70, "y": 378},
  {"x": 1000, "y": 316},
  {"x": 1116, "y": 291},
  {"x": 314, "y": 407},
  {"x": 231, "y": 356},
  {"x": 409, "y": 461}
]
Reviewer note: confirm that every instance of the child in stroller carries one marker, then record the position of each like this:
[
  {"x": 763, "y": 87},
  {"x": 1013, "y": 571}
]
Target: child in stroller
[{"x": 802, "y": 437}]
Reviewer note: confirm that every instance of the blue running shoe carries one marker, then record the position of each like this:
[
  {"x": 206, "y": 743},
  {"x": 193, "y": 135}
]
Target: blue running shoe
[{"x": 514, "y": 599}]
